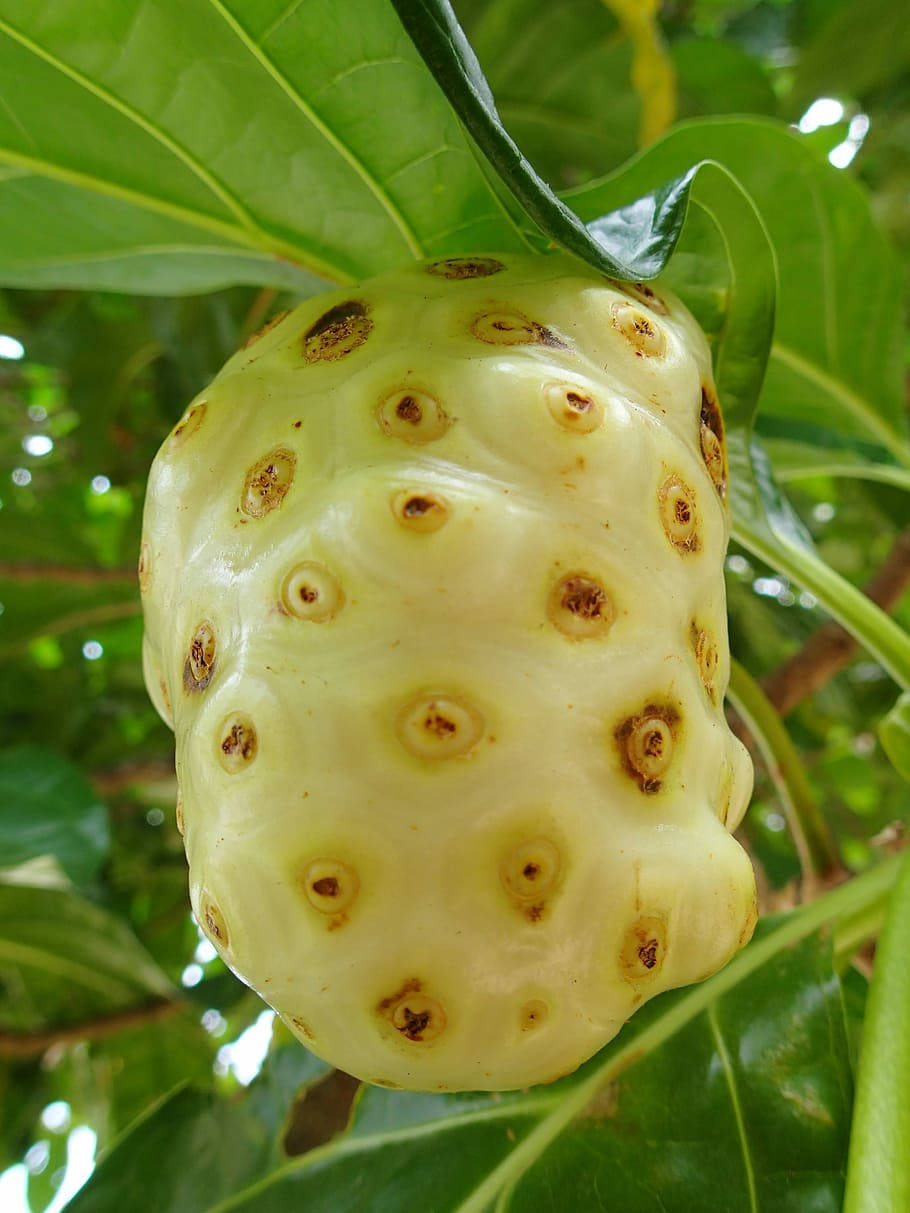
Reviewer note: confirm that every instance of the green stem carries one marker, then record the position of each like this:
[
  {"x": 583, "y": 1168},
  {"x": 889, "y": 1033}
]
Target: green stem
[
  {"x": 851, "y": 933},
  {"x": 817, "y": 852},
  {"x": 878, "y": 1174},
  {"x": 884, "y": 639}
]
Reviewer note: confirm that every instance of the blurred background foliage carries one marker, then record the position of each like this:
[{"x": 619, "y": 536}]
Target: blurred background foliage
[{"x": 89, "y": 386}]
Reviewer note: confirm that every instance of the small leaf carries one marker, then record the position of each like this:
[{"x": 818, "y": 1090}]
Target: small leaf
[
  {"x": 48, "y": 808},
  {"x": 894, "y": 734}
]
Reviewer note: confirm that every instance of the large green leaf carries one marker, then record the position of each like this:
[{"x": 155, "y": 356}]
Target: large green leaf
[
  {"x": 47, "y": 807},
  {"x": 193, "y": 1149},
  {"x": 64, "y": 960},
  {"x": 560, "y": 73},
  {"x": 736, "y": 1091},
  {"x": 217, "y": 141},
  {"x": 877, "y": 34}
]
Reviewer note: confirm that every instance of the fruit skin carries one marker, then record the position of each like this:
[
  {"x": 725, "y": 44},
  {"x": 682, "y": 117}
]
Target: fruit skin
[{"x": 434, "y": 600}]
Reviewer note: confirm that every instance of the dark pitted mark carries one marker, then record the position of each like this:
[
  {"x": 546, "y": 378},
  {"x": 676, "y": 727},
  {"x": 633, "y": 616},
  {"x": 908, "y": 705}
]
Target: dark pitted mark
[
  {"x": 580, "y": 607},
  {"x": 309, "y": 591},
  {"x": 144, "y": 570},
  {"x": 678, "y": 514},
  {"x": 573, "y": 409},
  {"x": 419, "y": 510},
  {"x": 338, "y": 332},
  {"x": 646, "y": 744},
  {"x": 188, "y": 424},
  {"x": 414, "y": 1014},
  {"x": 330, "y": 885},
  {"x": 238, "y": 743},
  {"x": 437, "y": 727},
  {"x": 642, "y": 332},
  {"x": 213, "y": 922},
  {"x": 199, "y": 667},
  {"x": 507, "y": 327},
  {"x": 267, "y": 482},
  {"x": 712, "y": 442},
  {"x": 413, "y": 416},
  {"x": 644, "y": 949},
  {"x": 459, "y": 268}
]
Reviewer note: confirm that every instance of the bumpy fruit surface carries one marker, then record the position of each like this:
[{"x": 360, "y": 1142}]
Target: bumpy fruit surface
[{"x": 434, "y": 602}]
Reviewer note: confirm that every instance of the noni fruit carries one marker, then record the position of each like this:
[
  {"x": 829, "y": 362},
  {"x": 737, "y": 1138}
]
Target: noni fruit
[{"x": 434, "y": 600}]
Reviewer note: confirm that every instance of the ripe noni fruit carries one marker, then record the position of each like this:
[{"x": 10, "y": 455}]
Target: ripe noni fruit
[{"x": 434, "y": 602}]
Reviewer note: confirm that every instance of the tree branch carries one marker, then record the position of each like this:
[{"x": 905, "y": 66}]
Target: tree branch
[
  {"x": 65, "y": 574},
  {"x": 830, "y": 648},
  {"x": 28, "y": 1044}
]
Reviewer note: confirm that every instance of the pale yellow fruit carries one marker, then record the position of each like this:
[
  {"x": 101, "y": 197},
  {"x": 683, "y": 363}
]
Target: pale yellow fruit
[{"x": 434, "y": 600}]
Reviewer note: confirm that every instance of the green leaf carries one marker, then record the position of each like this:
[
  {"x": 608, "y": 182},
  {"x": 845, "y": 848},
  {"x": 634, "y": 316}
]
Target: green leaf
[
  {"x": 216, "y": 141},
  {"x": 64, "y": 960},
  {"x": 47, "y": 807},
  {"x": 877, "y": 34},
  {"x": 894, "y": 734},
  {"x": 800, "y": 450},
  {"x": 878, "y": 1178},
  {"x": 716, "y": 77},
  {"x": 193, "y": 1149}
]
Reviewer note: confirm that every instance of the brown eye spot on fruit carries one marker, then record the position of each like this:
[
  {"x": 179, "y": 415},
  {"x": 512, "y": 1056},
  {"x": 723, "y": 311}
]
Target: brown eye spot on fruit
[
  {"x": 213, "y": 922},
  {"x": 144, "y": 570},
  {"x": 532, "y": 1014},
  {"x": 529, "y": 874},
  {"x": 413, "y": 416},
  {"x": 644, "y": 949},
  {"x": 678, "y": 514},
  {"x": 303, "y": 1027},
  {"x": 266, "y": 328},
  {"x": 458, "y": 268},
  {"x": 647, "y": 296},
  {"x": 199, "y": 667},
  {"x": 188, "y": 424},
  {"x": 707, "y": 658},
  {"x": 309, "y": 591},
  {"x": 509, "y": 328},
  {"x": 711, "y": 439},
  {"x": 438, "y": 727},
  {"x": 573, "y": 409},
  {"x": 267, "y": 482},
  {"x": 580, "y": 607},
  {"x": 330, "y": 885},
  {"x": 178, "y": 815},
  {"x": 238, "y": 744},
  {"x": 414, "y": 1014},
  {"x": 642, "y": 332},
  {"x": 419, "y": 510},
  {"x": 337, "y": 333},
  {"x": 646, "y": 744}
]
